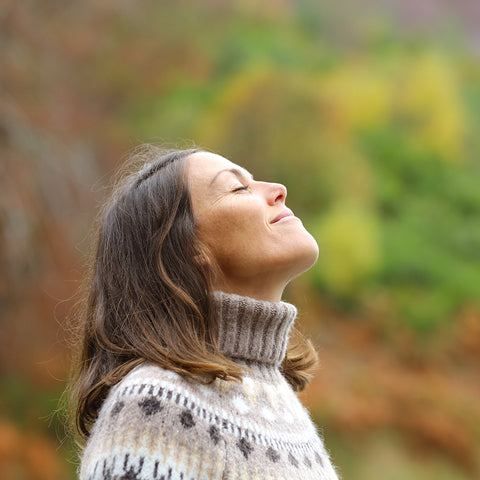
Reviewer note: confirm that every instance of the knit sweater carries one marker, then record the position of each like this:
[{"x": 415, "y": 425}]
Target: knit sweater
[{"x": 158, "y": 425}]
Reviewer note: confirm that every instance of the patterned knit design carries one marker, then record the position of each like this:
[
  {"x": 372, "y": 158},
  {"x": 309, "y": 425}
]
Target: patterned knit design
[{"x": 158, "y": 425}]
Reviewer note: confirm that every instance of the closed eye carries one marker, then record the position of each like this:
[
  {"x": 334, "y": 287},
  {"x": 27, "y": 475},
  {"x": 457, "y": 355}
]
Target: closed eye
[{"x": 239, "y": 189}]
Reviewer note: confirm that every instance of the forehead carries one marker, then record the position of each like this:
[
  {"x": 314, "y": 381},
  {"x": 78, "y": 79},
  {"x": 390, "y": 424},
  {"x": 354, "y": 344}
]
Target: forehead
[{"x": 203, "y": 166}]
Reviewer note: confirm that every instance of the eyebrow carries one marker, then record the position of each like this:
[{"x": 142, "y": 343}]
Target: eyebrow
[{"x": 238, "y": 173}]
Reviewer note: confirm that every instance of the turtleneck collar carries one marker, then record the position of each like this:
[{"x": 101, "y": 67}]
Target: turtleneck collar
[{"x": 253, "y": 330}]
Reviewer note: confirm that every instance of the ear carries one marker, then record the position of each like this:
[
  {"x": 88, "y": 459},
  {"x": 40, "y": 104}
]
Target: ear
[{"x": 203, "y": 257}]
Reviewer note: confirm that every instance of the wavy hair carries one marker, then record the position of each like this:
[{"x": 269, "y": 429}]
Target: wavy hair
[{"x": 146, "y": 297}]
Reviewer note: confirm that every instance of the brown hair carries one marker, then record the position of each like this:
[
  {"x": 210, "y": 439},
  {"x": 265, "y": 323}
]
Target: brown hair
[{"x": 147, "y": 298}]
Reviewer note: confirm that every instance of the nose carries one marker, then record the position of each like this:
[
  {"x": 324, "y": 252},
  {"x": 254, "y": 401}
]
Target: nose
[{"x": 277, "y": 193}]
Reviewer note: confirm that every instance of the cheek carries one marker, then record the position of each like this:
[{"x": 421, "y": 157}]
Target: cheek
[{"x": 232, "y": 238}]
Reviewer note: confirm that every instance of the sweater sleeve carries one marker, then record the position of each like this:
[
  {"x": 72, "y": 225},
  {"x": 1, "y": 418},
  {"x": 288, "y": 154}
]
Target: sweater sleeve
[{"x": 145, "y": 432}]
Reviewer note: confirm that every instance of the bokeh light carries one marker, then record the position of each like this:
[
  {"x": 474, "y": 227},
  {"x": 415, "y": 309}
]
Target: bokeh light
[{"x": 368, "y": 111}]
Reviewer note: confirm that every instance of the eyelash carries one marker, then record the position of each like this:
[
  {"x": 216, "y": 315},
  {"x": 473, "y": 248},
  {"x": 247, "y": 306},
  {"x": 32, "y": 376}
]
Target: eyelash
[{"x": 239, "y": 189}]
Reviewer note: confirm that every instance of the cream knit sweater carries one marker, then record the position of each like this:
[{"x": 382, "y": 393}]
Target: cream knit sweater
[{"x": 157, "y": 425}]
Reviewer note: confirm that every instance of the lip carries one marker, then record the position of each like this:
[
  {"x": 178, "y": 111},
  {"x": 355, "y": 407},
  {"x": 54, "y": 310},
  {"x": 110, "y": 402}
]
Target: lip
[{"x": 284, "y": 214}]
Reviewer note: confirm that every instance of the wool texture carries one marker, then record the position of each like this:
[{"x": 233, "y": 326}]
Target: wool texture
[{"x": 157, "y": 425}]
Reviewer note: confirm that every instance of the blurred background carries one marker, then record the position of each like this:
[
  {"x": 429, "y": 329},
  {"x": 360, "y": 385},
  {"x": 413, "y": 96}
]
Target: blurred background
[{"x": 368, "y": 111}]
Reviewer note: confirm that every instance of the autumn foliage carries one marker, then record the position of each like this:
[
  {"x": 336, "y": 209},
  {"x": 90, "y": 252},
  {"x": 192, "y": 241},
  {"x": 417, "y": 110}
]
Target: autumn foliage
[{"x": 372, "y": 125}]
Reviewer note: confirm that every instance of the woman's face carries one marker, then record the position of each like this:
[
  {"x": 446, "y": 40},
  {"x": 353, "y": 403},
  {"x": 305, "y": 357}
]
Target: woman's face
[{"x": 250, "y": 234}]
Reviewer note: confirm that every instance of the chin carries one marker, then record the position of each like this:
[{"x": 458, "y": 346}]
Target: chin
[
  {"x": 310, "y": 254},
  {"x": 304, "y": 255}
]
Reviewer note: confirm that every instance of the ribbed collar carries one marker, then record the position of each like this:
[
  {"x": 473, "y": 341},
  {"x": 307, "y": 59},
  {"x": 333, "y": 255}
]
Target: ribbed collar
[{"x": 253, "y": 330}]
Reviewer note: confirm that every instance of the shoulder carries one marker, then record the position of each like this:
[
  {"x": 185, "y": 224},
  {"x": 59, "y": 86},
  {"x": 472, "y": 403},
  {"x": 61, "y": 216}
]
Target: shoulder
[
  {"x": 148, "y": 380},
  {"x": 148, "y": 425},
  {"x": 145, "y": 397}
]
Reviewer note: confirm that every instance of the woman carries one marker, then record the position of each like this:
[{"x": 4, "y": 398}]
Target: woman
[{"x": 185, "y": 369}]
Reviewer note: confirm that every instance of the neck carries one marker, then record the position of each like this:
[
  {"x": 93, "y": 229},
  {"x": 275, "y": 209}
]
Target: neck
[
  {"x": 253, "y": 330},
  {"x": 263, "y": 291}
]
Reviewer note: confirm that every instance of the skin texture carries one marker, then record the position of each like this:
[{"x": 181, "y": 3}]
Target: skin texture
[{"x": 235, "y": 218}]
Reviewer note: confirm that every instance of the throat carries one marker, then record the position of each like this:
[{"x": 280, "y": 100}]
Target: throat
[{"x": 252, "y": 330}]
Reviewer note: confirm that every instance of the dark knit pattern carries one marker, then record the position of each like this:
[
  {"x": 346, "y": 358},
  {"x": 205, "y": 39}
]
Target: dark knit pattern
[{"x": 157, "y": 425}]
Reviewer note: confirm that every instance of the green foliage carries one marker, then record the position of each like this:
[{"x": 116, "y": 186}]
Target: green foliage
[
  {"x": 376, "y": 147},
  {"x": 349, "y": 248},
  {"x": 386, "y": 453},
  {"x": 374, "y": 132}
]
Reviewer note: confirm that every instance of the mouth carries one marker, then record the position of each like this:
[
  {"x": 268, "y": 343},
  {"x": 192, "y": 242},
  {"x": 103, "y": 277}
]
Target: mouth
[{"x": 287, "y": 213}]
